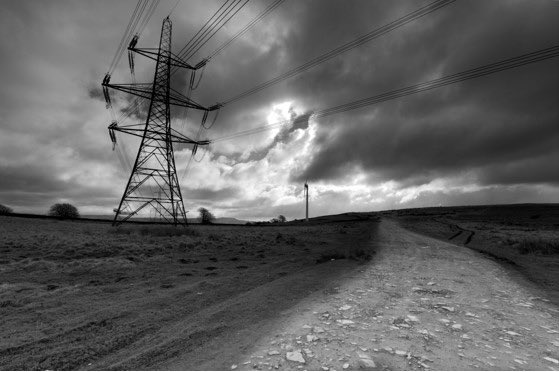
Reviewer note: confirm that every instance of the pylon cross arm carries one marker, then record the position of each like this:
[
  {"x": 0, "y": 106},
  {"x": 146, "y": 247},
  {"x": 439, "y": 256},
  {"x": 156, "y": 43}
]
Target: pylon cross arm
[
  {"x": 174, "y": 60},
  {"x": 145, "y": 91},
  {"x": 139, "y": 130}
]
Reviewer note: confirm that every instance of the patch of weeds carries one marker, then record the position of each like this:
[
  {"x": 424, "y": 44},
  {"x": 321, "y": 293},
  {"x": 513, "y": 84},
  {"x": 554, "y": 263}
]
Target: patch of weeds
[
  {"x": 360, "y": 254},
  {"x": 325, "y": 257},
  {"x": 290, "y": 240},
  {"x": 188, "y": 260},
  {"x": 541, "y": 246},
  {"x": 214, "y": 237},
  {"x": 156, "y": 231},
  {"x": 355, "y": 253},
  {"x": 10, "y": 303},
  {"x": 211, "y": 268}
]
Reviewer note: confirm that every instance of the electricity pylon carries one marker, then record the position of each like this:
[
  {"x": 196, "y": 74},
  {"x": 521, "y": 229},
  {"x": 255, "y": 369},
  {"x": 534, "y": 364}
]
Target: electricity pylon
[{"x": 154, "y": 172}]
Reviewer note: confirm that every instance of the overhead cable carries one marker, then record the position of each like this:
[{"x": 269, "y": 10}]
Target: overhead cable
[
  {"x": 492, "y": 68},
  {"x": 266, "y": 11},
  {"x": 427, "y": 9}
]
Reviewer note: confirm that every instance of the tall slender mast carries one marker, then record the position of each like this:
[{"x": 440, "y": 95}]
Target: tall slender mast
[{"x": 306, "y": 202}]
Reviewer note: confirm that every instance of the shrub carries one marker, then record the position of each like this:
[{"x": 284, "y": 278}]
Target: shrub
[
  {"x": 64, "y": 210},
  {"x": 206, "y": 217},
  {"x": 5, "y": 210},
  {"x": 279, "y": 219}
]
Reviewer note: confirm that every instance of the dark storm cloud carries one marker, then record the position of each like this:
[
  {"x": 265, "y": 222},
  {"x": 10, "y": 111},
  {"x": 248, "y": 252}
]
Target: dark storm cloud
[
  {"x": 30, "y": 178},
  {"x": 95, "y": 92},
  {"x": 298, "y": 122},
  {"x": 497, "y": 122},
  {"x": 224, "y": 194},
  {"x": 31, "y": 187}
]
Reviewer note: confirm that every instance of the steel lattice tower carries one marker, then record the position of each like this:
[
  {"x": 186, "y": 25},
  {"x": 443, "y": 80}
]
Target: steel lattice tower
[{"x": 154, "y": 170}]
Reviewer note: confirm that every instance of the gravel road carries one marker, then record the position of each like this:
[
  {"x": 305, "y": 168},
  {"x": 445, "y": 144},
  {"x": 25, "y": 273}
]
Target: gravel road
[{"x": 420, "y": 304}]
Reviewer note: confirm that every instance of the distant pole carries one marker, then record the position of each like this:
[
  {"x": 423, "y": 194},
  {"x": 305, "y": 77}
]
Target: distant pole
[{"x": 306, "y": 202}]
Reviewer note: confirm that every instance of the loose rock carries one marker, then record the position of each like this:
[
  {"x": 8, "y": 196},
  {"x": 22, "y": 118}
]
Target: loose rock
[
  {"x": 367, "y": 363},
  {"x": 513, "y": 333},
  {"x": 345, "y": 321},
  {"x": 295, "y": 356},
  {"x": 412, "y": 318},
  {"x": 552, "y": 360}
]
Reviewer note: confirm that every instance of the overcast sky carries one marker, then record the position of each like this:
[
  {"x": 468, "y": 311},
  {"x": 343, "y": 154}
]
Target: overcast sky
[{"x": 489, "y": 140}]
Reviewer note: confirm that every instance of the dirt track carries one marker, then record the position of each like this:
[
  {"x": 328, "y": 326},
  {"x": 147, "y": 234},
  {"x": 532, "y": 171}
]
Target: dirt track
[{"x": 419, "y": 304}]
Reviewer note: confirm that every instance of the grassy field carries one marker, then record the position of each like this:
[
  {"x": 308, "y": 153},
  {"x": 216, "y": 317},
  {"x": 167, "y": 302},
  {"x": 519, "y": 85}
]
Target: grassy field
[
  {"x": 523, "y": 236},
  {"x": 76, "y": 295}
]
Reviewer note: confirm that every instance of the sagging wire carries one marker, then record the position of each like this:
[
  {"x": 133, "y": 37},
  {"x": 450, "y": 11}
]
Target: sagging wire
[{"x": 200, "y": 78}]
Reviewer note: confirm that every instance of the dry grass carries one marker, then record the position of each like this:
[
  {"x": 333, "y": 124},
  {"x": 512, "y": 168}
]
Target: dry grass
[
  {"x": 536, "y": 246},
  {"x": 156, "y": 230}
]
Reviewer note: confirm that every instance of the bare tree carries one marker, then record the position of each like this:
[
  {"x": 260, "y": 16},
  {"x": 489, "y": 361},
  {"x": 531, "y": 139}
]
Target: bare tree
[
  {"x": 4, "y": 210},
  {"x": 206, "y": 217},
  {"x": 281, "y": 218},
  {"x": 64, "y": 210}
]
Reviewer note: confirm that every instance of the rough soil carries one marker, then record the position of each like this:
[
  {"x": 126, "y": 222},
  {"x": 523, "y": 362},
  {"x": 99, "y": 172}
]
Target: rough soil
[{"x": 419, "y": 303}]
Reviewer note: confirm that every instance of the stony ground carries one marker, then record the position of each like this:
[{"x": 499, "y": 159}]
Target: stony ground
[{"x": 420, "y": 304}]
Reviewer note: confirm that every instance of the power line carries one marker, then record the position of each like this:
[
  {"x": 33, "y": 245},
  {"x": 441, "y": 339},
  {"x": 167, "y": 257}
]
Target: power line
[
  {"x": 345, "y": 47},
  {"x": 202, "y": 29},
  {"x": 200, "y": 38},
  {"x": 126, "y": 34},
  {"x": 215, "y": 30},
  {"x": 173, "y": 8},
  {"x": 266, "y": 11},
  {"x": 138, "y": 22},
  {"x": 147, "y": 17},
  {"x": 492, "y": 68}
]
